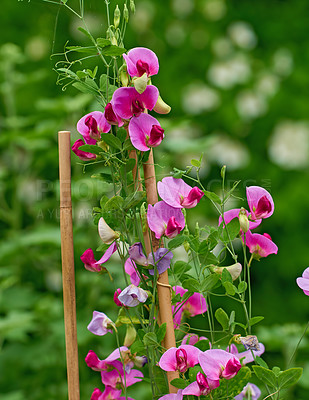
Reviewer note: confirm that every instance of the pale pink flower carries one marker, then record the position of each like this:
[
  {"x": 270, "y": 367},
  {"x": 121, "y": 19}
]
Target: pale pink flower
[
  {"x": 260, "y": 245},
  {"x": 246, "y": 356},
  {"x": 217, "y": 364},
  {"x": 201, "y": 387},
  {"x": 141, "y": 60},
  {"x": 260, "y": 202},
  {"x": 234, "y": 213},
  {"x": 173, "y": 396},
  {"x": 165, "y": 220},
  {"x": 303, "y": 282},
  {"x": 179, "y": 359},
  {"x": 195, "y": 305},
  {"x": 178, "y": 194},
  {"x": 132, "y": 296},
  {"x": 145, "y": 132},
  {"x": 249, "y": 389},
  {"x": 100, "y": 324}
]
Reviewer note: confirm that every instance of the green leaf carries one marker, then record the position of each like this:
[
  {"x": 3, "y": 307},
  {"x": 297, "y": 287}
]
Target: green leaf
[
  {"x": 203, "y": 345},
  {"x": 113, "y": 51},
  {"x": 261, "y": 362},
  {"x": 255, "y": 320},
  {"x": 229, "y": 231},
  {"x": 103, "y": 42},
  {"x": 103, "y": 82},
  {"x": 161, "y": 332},
  {"x": 91, "y": 148},
  {"x": 137, "y": 347},
  {"x": 85, "y": 32},
  {"x": 177, "y": 173},
  {"x": 265, "y": 375},
  {"x": 289, "y": 377},
  {"x": 83, "y": 49},
  {"x": 226, "y": 276},
  {"x": 222, "y": 318},
  {"x": 115, "y": 203},
  {"x": 130, "y": 164},
  {"x": 177, "y": 241},
  {"x": 121, "y": 134},
  {"x": 212, "y": 196},
  {"x": 192, "y": 285},
  {"x": 111, "y": 140},
  {"x": 133, "y": 200},
  {"x": 128, "y": 145},
  {"x": 88, "y": 86},
  {"x": 179, "y": 383},
  {"x": 195, "y": 370},
  {"x": 196, "y": 163},
  {"x": 242, "y": 287},
  {"x": 232, "y": 386},
  {"x": 229, "y": 288},
  {"x": 181, "y": 267},
  {"x": 104, "y": 177},
  {"x": 209, "y": 282},
  {"x": 213, "y": 239},
  {"x": 208, "y": 258},
  {"x": 150, "y": 340}
]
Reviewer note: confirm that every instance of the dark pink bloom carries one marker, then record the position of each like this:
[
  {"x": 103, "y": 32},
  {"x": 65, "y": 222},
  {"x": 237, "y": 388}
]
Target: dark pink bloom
[
  {"x": 177, "y": 194},
  {"x": 260, "y": 202},
  {"x": 145, "y": 132},
  {"x": 165, "y": 220},
  {"x": 115, "y": 378},
  {"x": 96, "y": 394},
  {"x": 173, "y": 396},
  {"x": 92, "y": 125},
  {"x": 246, "y": 356},
  {"x": 201, "y": 387},
  {"x": 131, "y": 269},
  {"x": 83, "y": 155},
  {"x": 100, "y": 324},
  {"x": 116, "y": 295},
  {"x": 217, "y": 363},
  {"x": 195, "y": 305},
  {"x": 303, "y": 282},
  {"x": 140, "y": 61},
  {"x": 260, "y": 245},
  {"x": 111, "y": 117},
  {"x": 89, "y": 261},
  {"x": 179, "y": 359},
  {"x": 93, "y": 361},
  {"x": 108, "y": 394},
  {"x": 234, "y": 213},
  {"x": 127, "y": 102}
]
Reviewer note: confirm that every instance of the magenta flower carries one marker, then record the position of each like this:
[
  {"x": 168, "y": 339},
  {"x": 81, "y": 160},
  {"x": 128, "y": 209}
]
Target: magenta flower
[
  {"x": 108, "y": 253},
  {"x": 127, "y": 102},
  {"x": 132, "y": 296},
  {"x": 100, "y": 324},
  {"x": 131, "y": 270},
  {"x": 260, "y": 202},
  {"x": 217, "y": 363},
  {"x": 260, "y": 245},
  {"x": 179, "y": 359},
  {"x": 116, "y": 295},
  {"x": 109, "y": 393},
  {"x": 176, "y": 193},
  {"x": 115, "y": 377},
  {"x": 162, "y": 260},
  {"x": 165, "y": 220},
  {"x": 140, "y": 61},
  {"x": 201, "y": 387},
  {"x": 195, "y": 305},
  {"x": 89, "y": 261},
  {"x": 246, "y": 356},
  {"x": 92, "y": 125},
  {"x": 249, "y": 390},
  {"x": 111, "y": 117},
  {"x": 303, "y": 282},
  {"x": 145, "y": 132},
  {"x": 83, "y": 155},
  {"x": 193, "y": 338},
  {"x": 173, "y": 396},
  {"x": 234, "y": 213},
  {"x": 93, "y": 361}
]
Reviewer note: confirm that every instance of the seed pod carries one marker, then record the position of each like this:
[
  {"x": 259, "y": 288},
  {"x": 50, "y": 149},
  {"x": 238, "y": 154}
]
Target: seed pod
[{"x": 116, "y": 17}]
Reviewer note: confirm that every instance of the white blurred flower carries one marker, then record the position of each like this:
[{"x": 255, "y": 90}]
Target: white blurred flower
[
  {"x": 182, "y": 8},
  {"x": 227, "y": 74},
  {"x": 229, "y": 152},
  {"x": 267, "y": 84},
  {"x": 222, "y": 47},
  {"x": 250, "y": 105},
  {"x": 283, "y": 62},
  {"x": 198, "y": 98},
  {"x": 214, "y": 10},
  {"x": 242, "y": 34},
  {"x": 175, "y": 34},
  {"x": 289, "y": 144}
]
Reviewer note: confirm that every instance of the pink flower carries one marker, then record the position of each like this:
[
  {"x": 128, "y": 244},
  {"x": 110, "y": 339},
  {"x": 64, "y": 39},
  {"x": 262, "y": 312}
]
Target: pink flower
[
  {"x": 140, "y": 61},
  {"x": 131, "y": 270},
  {"x": 179, "y": 359},
  {"x": 92, "y": 125},
  {"x": 96, "y": 364},
  {"x": 111, "y": 117},
  {"x": 116, "y": 295},
  {"x": 145, "y": 132},
  {"x": 108, "y": 394},
  {"x": 83, "y": 155},
  {"x": 172, "y": 396},
  {"x": 201, "y": 387},
  {"x": 100, "y": 324},
  {"x": 132, "y": 296},
  {"x": 260, "y": 202},
  {"x": 89, "y": 261},
  {"x": 251, "y": 389},
  {"x": 165, "y": 220},
  {"x": 108, "y": 253},
  {"x": 246, "y": 356},
  {"x": 303, "y": 282},
  {"x": 260, "y": 245},
  {"x": 193, "y": 338},
  {"x": 127, "y": 102},
  {"x": 217, "y": 363},
  {"x": 115, "y": 377},
  {"x": 234, "y": 213},
  {"x": 195, "y": 305},
  {"x": 177, "y": 194}
]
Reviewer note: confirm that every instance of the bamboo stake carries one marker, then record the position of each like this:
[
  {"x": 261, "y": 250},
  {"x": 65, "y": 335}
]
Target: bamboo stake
[
  {"x": 163, "y": 287},
  {"x": 68, "y": 273}
]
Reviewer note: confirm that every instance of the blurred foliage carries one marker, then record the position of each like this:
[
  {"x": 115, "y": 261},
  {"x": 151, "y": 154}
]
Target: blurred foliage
[{"x": 236, "y": 76}]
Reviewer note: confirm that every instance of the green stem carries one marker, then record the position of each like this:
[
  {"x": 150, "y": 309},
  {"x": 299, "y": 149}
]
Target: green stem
[{"x": 295, "y": 350}]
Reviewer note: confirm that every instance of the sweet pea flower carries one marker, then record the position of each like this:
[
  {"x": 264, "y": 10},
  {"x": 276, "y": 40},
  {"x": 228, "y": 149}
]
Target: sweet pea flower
[
  {"x": 217, "y": 364},
  {"x": 141, "y": 60},
  {"x": 137, "y": 255},
  {"x": 193, "y": 338},
  {"x": 246, "y": 356},
  {"x": 173, "y": 396},
  {"x": 260, "y": 245},
  {"x": 249, "y": 390},
  {"x": 235, "y": 213},
  {"x": 115, "y": 378},
  {"x": 111, "y": 117},
  {"x": 100, "y": 324},
  {"x": 127, "y": 102},
  {"x": 83, "y": 155},
  {"x": 303, "y": 282},
  {"x": 195, "y": 305},
  {"x": 145, "y": 132},
  {"x": 234, "y": 270},
  {"x": 93, "y": 361},
  {"x": 165, "y": 220},
  {"x": 116, "y": 295},
  {"x": 92, "y": 125},
  {"x": 109, "y": 394},
  {"x": 260, "y": 202},
  {"x": 176, "y": 193},
  {"x": 201, "y": 387},
  {"x": 131, "y": 270},
  {"x": 162, "y": 259},
  {"x": 179, "y": 359},
  {"x": 89, "y": 261},
  {"x": 106, "y": 233},
  {"x": 108, "y": 253},
  {"x": 132, "y": 296}
]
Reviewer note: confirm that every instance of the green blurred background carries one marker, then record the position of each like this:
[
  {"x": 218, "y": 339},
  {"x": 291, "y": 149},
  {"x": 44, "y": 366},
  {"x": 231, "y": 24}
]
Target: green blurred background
[{"x": 236, "y": 75}]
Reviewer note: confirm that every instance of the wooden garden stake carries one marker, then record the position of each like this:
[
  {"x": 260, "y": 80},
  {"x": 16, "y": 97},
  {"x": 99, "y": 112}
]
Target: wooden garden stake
[
  {"x": 164, "y": 289},
  {"x": 68, "y": 273}
]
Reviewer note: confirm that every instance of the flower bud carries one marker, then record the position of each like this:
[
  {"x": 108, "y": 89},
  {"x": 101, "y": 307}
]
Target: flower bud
[
  {"x": 140, "y": 83},
  {"x": 243, "y": 220},
  {"x": 126, "y": 13},
  {"x": 132, "y": 6},
  {"x": 123, "y": 75},
  {"x": 106, "y": 233},
  {"x": 130, "y": 336},
  {"x": 116, "y": 294},
  {"x": 234, "y": 270},
  {"x": 116, "y": 17},
  {"x": 161, "y": 107}
]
